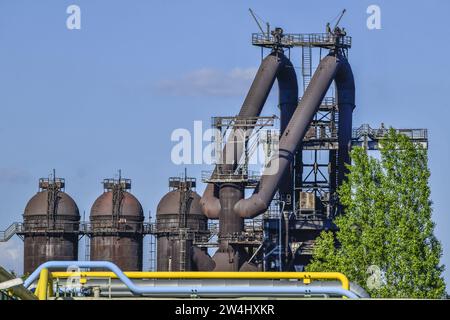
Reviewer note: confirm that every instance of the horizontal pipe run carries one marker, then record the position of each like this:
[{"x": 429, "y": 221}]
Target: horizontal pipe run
[
  {"x": 197, "y": 290},
  {"x": 239, "y": 291},
  {"x": 115, "y": 286},
  {"x": 235, "y": 292},
  {"x": 213, "y": 275}
]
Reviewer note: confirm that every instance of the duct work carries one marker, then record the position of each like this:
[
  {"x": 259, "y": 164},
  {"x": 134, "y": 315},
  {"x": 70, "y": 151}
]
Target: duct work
[
  {"x": 226, "y": 201},
  {"x": 218, "y": 201},
  {"x": 331, "y": 67},
  {"x": 275, "y": 66}
]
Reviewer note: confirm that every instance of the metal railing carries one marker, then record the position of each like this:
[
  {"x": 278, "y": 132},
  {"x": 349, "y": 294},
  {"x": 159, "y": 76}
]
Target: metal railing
[
  {"x": 243, "y": 122},
  {"x": 323, "y": 40},
  {"x": 81, "y": 228},
  {"x": 13, "y": 229},
  {"x": 306, "y": 248},
  {"x": 327, "y": 102},
  {"x": 248, "y": 176},
  {"x": 114, "y": 227},
  {"x": 173, "y": 227},
  {"x": 366, "y": 131},
  {"x": 46, "y": 226}
]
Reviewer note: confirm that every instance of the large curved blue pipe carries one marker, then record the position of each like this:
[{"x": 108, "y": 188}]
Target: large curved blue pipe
[{"x": 188, "y": 291}]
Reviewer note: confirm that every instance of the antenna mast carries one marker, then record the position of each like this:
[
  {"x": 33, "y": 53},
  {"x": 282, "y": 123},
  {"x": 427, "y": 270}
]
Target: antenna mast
[
  {"x": 340, "y": 17},
  {"x": 259, "y": 25}
]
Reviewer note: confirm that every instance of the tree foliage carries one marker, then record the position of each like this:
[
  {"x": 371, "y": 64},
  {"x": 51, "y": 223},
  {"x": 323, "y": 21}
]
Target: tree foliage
[{"x": 385, "y": 240}]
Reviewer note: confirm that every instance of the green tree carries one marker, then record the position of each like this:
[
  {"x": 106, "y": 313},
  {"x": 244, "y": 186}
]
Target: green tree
[{"x": 385, "y": 240}]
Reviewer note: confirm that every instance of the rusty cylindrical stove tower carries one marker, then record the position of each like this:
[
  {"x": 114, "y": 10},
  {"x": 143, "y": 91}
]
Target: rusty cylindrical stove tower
[
  {"x": 51, "y": 223},
  {"x": 179, "y": 220},
  {"x": 116, "y": 226}
]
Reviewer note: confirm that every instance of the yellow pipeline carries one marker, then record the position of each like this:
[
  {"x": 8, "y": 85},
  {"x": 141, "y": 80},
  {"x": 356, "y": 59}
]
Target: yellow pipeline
[
  {"x": 306, "y": 276},
  {"x": 44, "y": 288}
]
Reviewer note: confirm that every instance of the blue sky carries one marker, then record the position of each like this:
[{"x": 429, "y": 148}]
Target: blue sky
[{"x": 88, "y": 102}]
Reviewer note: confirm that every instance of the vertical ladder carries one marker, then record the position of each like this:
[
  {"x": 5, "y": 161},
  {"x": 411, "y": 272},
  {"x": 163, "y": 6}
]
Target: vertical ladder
[
  {"x": 182, "y": 258},
  {"x": 87, "y": 248},
  {"x": 151, "y": 257},
  {"x": 117, "y": 200}
]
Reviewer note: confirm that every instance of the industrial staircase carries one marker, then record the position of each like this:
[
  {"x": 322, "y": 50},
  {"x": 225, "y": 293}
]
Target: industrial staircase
[
  {"x": 306, "y": 66},
  {"x": 13, "y": 229}
]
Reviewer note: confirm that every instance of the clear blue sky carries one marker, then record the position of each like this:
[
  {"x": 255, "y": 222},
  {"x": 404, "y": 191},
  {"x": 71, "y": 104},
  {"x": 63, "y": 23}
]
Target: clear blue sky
[{"x": 108, "y": 96}]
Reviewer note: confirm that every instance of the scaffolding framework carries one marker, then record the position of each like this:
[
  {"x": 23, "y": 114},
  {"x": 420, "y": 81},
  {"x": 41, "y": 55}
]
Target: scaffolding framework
[{"x": 251, "y": 136}]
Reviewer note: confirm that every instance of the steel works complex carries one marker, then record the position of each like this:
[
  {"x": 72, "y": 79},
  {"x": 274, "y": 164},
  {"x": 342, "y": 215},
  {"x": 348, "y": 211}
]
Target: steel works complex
[{"x": 272, "y": 230}]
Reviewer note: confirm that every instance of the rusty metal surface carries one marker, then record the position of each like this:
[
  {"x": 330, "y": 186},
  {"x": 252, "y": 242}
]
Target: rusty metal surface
[
  {"x": 170, "y": 204},
  {"x": 125, "y": 251},
  {"x": 117, "y": 227},
  {"x": 40, "y": 249},
  {"x": 50, "y": 228},
  {"x": 38, "y": 205},
  {"x": 130, "y": 206},
  {"x": 179, "y": 219},
  {"x": 229, "y": 221},
  {"x": 229, "y": 257}
]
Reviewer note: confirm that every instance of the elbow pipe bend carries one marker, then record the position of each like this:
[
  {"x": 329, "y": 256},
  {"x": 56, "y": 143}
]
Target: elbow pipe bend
[
  {"x": 202, "y": 260},
  {"x": 251, "y": 207},
  {"x": 210, "y": 203},
  {"x": 330, "y": 68},
  {"x": 275, "y": 66},
  {"x": 345, "y": 83}
]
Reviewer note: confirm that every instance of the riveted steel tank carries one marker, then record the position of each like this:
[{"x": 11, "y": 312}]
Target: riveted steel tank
[
  {"x": 50, "y": 225},
  {"x": 179, "y": 220},
  {"x": 116, "y": 226}
]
